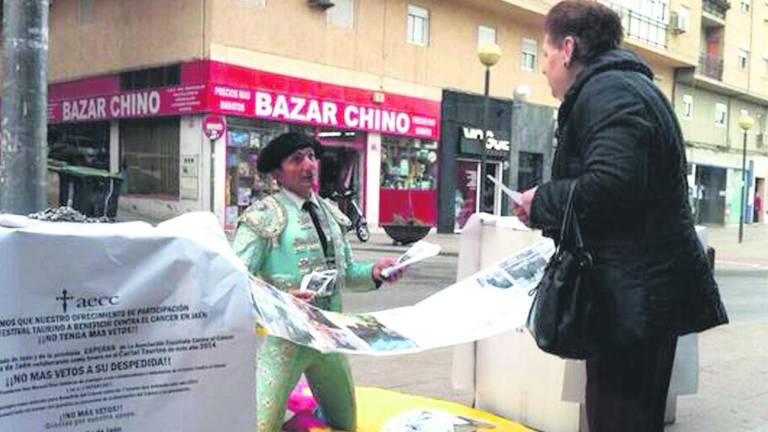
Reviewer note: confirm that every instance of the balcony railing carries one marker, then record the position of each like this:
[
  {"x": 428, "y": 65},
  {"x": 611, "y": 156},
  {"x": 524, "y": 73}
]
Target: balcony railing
[
  {"x": 716, "y": 8},
  {"x": 711, "y": 66},
  {"x": 641, "y": 27}
]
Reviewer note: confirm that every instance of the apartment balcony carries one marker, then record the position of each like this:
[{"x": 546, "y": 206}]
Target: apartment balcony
[
  {"x": 711, "y": 66},
  {"x": 716, "y": 8},
  {"x": 641, "y": 27}
]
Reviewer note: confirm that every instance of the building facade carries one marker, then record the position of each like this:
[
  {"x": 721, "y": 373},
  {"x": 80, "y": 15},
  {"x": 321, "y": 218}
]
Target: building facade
[
  {"x": 153, "y": 131},
  {"x": 132, "y": 82},
  {"x": 730, "y": 80}
]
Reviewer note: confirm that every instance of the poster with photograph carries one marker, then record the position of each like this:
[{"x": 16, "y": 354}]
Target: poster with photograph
[
  {"x": 283, "y": 315},
  {"x": 525, "y": 270},
  {"x": 494, "y": 278},
  {"x": 376, "y": 335},
  {"x": 492, "y": 301},
  {"x": 322, "y": 283}
]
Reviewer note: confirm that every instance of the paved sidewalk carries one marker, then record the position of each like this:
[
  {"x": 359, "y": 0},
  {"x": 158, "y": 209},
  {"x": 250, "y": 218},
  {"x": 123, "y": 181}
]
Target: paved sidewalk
[
  {"x": 380, "y": 242},
  {"x": 752, "y": 251},
  {"x": 733, "y": 382}
]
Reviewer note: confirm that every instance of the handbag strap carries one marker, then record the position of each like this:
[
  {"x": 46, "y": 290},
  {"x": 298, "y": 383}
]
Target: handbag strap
[{"x": 570, "y": 225}]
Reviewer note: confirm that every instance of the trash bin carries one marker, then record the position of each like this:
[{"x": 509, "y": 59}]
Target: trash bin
[{"x": 92, "y": 192}]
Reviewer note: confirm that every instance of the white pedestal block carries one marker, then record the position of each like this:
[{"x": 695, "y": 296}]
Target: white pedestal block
[{"x": 510, "y": 376}]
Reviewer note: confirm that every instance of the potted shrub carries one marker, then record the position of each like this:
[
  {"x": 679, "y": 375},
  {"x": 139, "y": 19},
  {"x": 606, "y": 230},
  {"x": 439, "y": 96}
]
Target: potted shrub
[{"x": 406, "y": 231}]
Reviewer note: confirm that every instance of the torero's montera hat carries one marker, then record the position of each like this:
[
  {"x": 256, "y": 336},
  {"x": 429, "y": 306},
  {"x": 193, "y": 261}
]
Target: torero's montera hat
[{"x": 272, "y": 156}]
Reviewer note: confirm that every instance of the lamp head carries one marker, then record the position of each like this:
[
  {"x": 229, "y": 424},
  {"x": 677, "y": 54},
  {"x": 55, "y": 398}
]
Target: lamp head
[
  {"x": 746, "y": 122},
  {"x": 489, "y": 54},
  {"x": 522, "y": 92}
]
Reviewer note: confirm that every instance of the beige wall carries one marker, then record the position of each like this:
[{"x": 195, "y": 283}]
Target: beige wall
[
  {"x": 664, "y": 76},
  {"x": 686, "y": 45},
  {"x": 746, "y": 30},
  {"x": 288, "y": 36},
  {"x": 376, "y": 44},
  {"x": 701, "y": 128},
  {"x": 737, "y": 35},
  {"x": 736, "y": 135},
  {"x": 123, "y": 35},
  {"x": 759, "y": 68}
]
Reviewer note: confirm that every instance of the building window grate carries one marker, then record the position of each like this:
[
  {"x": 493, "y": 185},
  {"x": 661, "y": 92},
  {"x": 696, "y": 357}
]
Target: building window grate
[{"x": 163, "y": 76}]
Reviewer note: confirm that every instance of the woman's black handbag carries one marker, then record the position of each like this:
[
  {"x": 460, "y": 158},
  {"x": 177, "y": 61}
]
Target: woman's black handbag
[{"x": 562, "y": 316}]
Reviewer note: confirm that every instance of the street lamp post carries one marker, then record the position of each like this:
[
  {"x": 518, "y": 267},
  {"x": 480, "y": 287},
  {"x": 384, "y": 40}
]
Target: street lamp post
[
  {"x": 489, "y": 54},
  {"x": 745, "y": 123},
  {"x": 25, "y": 106}
]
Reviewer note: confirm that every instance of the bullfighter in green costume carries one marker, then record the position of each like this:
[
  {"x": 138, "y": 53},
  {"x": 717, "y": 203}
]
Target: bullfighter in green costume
[{"x": 282, "y": 238}]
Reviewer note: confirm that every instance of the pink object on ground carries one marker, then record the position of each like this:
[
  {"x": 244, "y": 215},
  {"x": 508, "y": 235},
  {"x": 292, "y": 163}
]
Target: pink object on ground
[{"x": 303, "y": 404}]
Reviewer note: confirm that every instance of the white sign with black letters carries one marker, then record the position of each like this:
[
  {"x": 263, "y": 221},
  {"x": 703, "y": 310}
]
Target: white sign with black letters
[
  {"x": 124, "y": 328},
  {"x": 472, "y": 140}
]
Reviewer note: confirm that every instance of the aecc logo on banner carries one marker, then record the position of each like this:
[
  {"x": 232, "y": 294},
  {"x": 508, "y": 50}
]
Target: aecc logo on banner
[{"x": 86, "y": 302}]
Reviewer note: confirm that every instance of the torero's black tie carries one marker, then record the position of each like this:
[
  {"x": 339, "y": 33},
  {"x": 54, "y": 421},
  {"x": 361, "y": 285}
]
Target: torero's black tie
[{"x": 311, "y": 208}]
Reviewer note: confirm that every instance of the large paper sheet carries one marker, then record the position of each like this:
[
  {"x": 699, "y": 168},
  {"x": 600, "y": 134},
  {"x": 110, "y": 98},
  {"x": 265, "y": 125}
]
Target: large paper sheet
[
  {"x": 487, "y": 303},
  {"x": 124, "y": 327},
  {"x": 418, "y": 252}
]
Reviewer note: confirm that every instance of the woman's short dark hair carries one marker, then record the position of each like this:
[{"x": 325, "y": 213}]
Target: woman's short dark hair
[{"x": 595, "y": 27}]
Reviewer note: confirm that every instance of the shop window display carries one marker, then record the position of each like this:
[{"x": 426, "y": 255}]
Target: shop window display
[
  {"x": 408, "y": 164},
  {"x": 84, "y": 144},
  {"x": 245, "y": 184},
  {"x": 340, "y": 162},
  {"x": 408, "y": 181}
]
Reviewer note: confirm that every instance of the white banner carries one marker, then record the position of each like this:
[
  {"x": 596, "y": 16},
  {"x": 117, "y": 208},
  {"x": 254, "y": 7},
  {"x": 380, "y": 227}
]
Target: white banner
[
  {"x": 124, "y": 328},
  {"x": 487, "y": 303}
]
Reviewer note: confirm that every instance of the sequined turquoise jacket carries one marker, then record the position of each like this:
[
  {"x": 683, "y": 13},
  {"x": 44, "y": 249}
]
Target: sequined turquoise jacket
[{"x": 278, "y": 242}]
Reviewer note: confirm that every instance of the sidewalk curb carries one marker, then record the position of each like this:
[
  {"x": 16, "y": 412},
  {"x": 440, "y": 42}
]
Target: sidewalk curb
[{"x": 741, "y": 264}]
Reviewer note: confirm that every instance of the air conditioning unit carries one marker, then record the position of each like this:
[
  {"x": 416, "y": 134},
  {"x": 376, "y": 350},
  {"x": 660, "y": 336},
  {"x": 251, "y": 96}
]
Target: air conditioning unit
[
  {"x": 323, "y": 4},
  {"x": 678, "y": 23}
]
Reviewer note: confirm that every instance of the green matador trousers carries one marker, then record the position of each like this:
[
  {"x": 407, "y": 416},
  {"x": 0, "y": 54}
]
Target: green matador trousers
[
  {"x": 280, "y": 365},
  {"x": 278, "y": 242}
]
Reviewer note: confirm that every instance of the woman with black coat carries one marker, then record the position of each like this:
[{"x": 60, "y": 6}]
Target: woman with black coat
[{"x": 619, "y": 141}]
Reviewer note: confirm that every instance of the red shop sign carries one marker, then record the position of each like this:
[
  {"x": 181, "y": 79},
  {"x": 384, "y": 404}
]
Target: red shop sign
[
  {"x": 308, "y": 109},
  {"x": 143, "y": 103},
  {"x": 221, "y": 88}
]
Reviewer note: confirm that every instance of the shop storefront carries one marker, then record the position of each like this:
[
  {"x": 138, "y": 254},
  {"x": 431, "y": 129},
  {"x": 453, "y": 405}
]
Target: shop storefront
[
  {"x": 341, "y": 163},
  {"x": 408, "y": 181},
  {"x": 148, "y": 125},
  {"x": 715, "y": 186},
  {"x": 463, "y": 139}
]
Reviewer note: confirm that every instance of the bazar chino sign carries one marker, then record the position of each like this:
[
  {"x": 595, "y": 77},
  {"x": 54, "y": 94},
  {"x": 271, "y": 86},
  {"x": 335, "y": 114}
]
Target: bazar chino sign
[
  {"x": 222, "y": 89},
  {"x": 146, "y": 103},
  {"x": 298, "y": 108},
  {"x": 279, "y": 106},
  {"x": 117, "y": 106},
  {"x": 250, "y": 103}
]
